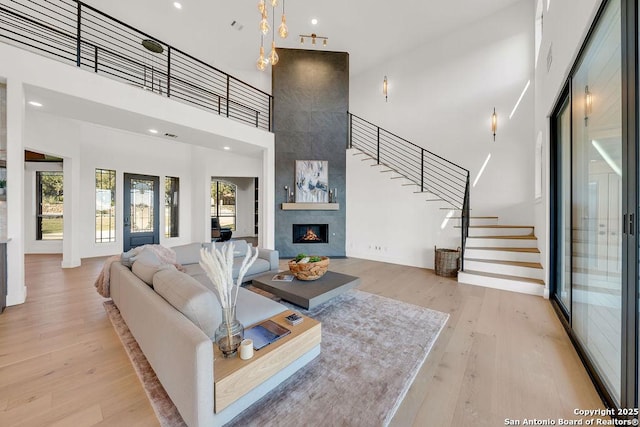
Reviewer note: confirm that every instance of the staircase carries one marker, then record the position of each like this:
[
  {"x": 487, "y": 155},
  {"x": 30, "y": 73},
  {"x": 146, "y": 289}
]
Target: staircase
[
  {"x": 502, "y": 257},
  {"x": 436, "y": 177}
]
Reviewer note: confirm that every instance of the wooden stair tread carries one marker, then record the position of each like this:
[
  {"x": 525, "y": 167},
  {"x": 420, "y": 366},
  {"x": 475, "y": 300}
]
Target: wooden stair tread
[
  {"x": 475, "y": 217},
  {"x": 512, "y": 263},
  {"x": 505, "y": 276},
  {"x": 501, "y": 226},
  {"x": 529, "y": 250},
  {"x": 523, "y": 237}
]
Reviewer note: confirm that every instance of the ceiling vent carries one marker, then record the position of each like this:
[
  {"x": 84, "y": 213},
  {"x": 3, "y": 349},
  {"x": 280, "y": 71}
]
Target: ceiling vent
[{"x": 170, "y": 135}]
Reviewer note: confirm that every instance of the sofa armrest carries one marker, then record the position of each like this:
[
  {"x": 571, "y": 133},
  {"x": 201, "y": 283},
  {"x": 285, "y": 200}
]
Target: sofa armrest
[{"x": 271, "y": 255}]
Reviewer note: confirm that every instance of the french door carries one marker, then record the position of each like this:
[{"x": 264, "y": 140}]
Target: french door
[
  {"x": 594, "y": 263},
  {"x": 140, "y": 210}
]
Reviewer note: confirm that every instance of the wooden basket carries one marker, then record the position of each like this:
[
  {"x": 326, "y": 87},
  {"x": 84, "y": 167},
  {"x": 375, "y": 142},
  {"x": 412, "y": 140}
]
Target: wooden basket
[
  {"x": 309, "y": 270},
  {"x": 447, "y": 262}
]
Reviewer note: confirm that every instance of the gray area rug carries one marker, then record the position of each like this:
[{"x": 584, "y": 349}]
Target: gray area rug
[{"x": 372, "y": 349}]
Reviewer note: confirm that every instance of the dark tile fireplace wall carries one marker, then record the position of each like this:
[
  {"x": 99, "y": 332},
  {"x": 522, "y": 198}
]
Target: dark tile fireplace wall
[{"x": 310, "y": 104}]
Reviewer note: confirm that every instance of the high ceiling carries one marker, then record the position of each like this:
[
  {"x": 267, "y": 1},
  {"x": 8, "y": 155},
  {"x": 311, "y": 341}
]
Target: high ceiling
[{"x": 370, "y": 31}]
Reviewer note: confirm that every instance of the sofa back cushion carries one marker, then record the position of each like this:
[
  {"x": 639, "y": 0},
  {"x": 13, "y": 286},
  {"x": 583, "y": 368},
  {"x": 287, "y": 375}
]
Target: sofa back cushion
[
  {"x": 190, "y": 298},
  {"x": 239, "y": 247},
  {"x": 145, "y": 265},
  {"x": 188, "y": 254}
]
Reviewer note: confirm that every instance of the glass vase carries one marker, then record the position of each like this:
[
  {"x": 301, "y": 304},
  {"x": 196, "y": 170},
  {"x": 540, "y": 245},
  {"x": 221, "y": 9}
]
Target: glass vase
[{"x": 230, "y": 332}]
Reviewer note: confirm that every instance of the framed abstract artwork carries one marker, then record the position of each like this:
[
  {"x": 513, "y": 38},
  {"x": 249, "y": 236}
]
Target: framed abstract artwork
[{"x": 312, "y": 181}]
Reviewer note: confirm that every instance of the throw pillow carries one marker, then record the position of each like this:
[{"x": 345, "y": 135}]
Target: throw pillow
[
  {"x": 190, "y": 298},
  {"x": 128, "y": 257},
  {"x": 146, "y": 264}
]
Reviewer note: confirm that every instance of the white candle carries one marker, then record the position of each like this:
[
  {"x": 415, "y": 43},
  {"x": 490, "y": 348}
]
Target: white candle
[{"x": 246, "y": 349}]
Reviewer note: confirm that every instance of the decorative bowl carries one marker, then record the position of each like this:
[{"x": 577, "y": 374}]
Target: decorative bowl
[{"x": 309, "y": 270}]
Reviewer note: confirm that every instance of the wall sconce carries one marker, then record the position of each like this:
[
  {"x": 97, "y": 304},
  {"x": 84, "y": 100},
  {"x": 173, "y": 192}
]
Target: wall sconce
[
  {"x": 385, "y": 88},
  {"x": 494, "y": 123},
  {"x": 588, "y": 105},
  {"x": 313, "y": 37}
]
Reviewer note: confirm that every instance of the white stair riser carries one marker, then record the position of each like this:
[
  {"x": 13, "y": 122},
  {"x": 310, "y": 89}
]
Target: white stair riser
[
  {"x": 499, "y": 283},
  {"x": 479, "y": 242},
  {"x": 510, "y": 270},
  {"x": 502, "y": 255},
  {"x": 482, "y": 231}
]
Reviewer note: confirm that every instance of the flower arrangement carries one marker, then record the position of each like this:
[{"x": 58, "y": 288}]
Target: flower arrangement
[{"x": 218, "y": 264}]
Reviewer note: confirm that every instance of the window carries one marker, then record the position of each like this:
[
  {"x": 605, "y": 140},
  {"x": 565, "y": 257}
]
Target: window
[
  {"x": 223, "y": 203},
  {"x": 171, "y": 189},
  {"x": 50, "y": 198},
  {"x": 105, "y": 206}
]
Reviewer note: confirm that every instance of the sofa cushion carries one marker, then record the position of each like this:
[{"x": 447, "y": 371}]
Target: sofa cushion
[
  {"x": 188, "y": 254},
  {"x": 253, "y": 308},
  {"x": 190, "y": 298},
  {"x": 259, "y": 266},
  {"x": 239, "y": 247},
  {"x": 193, "y": 269},
  {"x": 146, "y": 264}
]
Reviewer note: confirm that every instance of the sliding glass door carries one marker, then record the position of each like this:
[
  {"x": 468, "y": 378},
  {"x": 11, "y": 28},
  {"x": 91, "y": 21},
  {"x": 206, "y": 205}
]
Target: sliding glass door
[
  {"x": 596, "y": 93},
  {"x": 589, "y": 284}
]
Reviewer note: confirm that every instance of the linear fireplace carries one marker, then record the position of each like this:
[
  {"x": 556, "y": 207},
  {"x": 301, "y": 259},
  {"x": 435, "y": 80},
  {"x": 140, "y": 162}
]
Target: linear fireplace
[{"x": 310, "y": 233}]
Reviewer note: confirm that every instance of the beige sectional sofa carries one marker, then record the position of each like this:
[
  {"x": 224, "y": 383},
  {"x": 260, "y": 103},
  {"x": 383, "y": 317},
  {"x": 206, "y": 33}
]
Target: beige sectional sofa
[{"x": 173, "y": 316}]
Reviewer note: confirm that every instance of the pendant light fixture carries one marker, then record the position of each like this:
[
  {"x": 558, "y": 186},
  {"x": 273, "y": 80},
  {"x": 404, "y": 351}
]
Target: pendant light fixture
[
  {"x": 264, "y": 24},
  {"x": 283, "y": 32},
  {"x": 282, "y": 29},
  {"x": 262, "y": 62},
  {"x": 273, "y": 55}
]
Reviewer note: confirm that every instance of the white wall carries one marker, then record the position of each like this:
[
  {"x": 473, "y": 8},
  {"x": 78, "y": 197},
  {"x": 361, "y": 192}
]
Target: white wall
[
  {"x": 441, "y": 97},
  {"x": 388, "y": 222},
  {"x": 566, "y": 24}
]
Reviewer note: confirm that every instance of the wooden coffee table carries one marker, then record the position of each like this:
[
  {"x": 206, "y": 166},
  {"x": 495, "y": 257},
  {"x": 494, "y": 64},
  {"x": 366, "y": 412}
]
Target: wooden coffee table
[
  {"x": 307, "y": 294},
  {"x": 234, "y": 377}
]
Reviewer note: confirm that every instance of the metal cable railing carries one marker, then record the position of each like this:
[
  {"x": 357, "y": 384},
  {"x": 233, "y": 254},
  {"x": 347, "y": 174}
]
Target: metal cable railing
[
  {"x": 428, "y": 171},
  {"x": 72, "y": 31}
]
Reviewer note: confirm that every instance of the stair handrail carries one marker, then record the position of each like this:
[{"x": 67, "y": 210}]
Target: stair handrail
[
  {"x": 73, "y": 31},
  {"x": 429, "y": 171}
]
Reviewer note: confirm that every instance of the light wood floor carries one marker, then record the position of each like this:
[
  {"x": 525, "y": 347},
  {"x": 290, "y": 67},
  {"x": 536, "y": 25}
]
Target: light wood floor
[{"x": 502, "y": 355}]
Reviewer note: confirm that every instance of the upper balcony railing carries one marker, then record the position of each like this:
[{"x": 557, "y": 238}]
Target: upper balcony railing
[{"x": 74, "y": 32}]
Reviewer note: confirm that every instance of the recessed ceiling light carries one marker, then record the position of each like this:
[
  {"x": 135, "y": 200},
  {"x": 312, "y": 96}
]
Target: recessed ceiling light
[
  {"x": 35, "y": 103},
  {"x": 153, "y": 131},
  {"x": 177, "y": 5},
  {"x": 227, "y": 148},
  {"x": 314, "y": 21}
]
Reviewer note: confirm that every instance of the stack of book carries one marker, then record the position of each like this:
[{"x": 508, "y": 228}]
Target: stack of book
[{"x": 294, "y": 319}]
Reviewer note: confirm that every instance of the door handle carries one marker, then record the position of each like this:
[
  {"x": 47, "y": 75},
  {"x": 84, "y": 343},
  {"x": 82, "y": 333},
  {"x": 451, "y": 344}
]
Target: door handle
[
  {"x": 126, "y": 221},
  {"x": 631, "y": 224}
]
